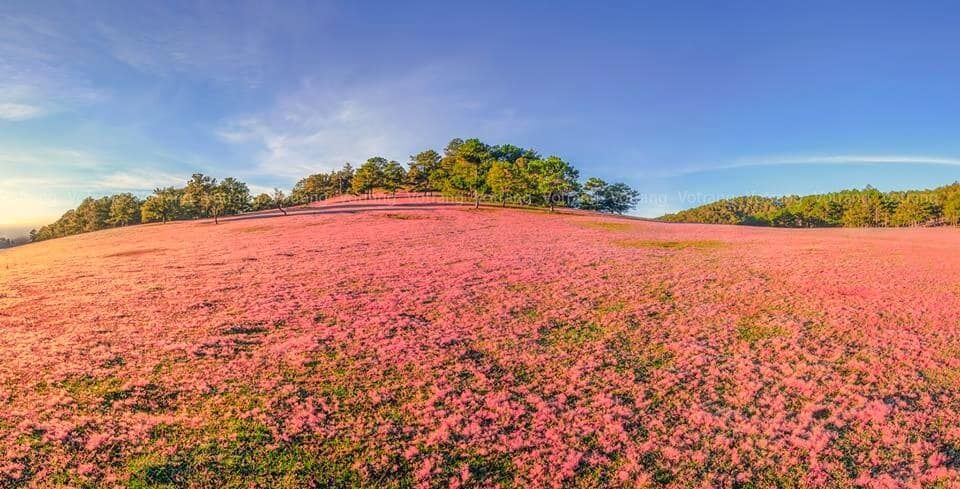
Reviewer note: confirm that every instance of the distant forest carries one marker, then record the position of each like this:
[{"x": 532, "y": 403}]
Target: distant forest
[
  {"x": 868, "y": 207},
  {"x": 468, "y": 169},
  {"x": 10, "y": 243}
]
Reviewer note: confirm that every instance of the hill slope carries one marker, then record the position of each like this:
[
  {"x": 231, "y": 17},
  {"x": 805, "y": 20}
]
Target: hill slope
[{"x": 386, "y": 345}]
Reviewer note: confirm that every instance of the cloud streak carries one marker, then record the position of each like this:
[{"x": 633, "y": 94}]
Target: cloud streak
[
  {"x": 38, "y": 74},
  {"x": 855, "y": 159},
  {"x": 138, "y": 180},
  {"x": 322, "y": 125},
  {"x": 832, "y": 160},
  {"x": 187, "y": 49},
  {"x": 39, "y": 184},
  {"x": 19, "y": 112}
]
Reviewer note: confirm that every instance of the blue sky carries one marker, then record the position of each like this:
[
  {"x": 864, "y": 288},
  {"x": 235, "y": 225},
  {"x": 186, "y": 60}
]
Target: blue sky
[{"x": 686, "y": 101}]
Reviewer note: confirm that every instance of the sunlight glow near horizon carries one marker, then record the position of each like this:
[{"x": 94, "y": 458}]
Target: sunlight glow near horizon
[{"x": 678, "y": 99}]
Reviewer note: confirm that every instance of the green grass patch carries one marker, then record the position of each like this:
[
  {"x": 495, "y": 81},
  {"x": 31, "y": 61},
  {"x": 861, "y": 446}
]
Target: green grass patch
[
  {"x": 490, "y": 470},
  {"x": 639, "y": 358},
  {"x": 703, "y": 244},
  {"x": 558, "y": 333},
  {"x": 527, "y": 313},
  {"x": 604, "y": 225},
  {"x": 254, "y": 229},
  {"x": 246, "y": 455},
  {"x": 941, "y": 378},
  {"x": 87, "y": 389},
  {"x": 752, "y": 330},
  {"x": 663, "y": 293},
  {"x": 611, "y": 307}
]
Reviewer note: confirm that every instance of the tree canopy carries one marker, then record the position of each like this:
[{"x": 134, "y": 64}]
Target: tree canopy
[
  {"x": 467, "y": 168},
  {"x": 599, "y": 195},
  {"x": 322, "y": 186},
  {"x": 867, "y": 207}
]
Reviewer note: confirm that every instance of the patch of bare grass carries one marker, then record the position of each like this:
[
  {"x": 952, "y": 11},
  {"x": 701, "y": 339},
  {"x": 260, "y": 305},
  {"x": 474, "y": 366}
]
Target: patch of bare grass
[
  {"x": 704, "y": 244},
  {"x": 604, "y": 225},
  {"x": 403, "y": 217},
  {"x": 254, "y": 229},
  {"x": 144, "y": 251}
]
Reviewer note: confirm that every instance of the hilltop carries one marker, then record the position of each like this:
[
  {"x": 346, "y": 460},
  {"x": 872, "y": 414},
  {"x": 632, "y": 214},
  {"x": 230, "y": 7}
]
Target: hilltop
[
  {"x": 468, "y": 170},
  {"x": 414, "y": 342}
]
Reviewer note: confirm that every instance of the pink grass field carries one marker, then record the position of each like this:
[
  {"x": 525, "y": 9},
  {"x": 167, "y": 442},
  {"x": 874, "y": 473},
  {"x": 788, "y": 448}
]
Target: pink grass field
[{"x": 434, "y": 345}]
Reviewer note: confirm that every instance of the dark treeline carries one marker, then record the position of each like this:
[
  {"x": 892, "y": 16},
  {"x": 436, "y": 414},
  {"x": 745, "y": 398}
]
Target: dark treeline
[
  {"x": 467, "y": 169},
  {"x": 202, "y": 196},
  {"x": 848, "y": 208},
  {"x": 10, "y": 243},
  {"x": 92, "y": 215}
]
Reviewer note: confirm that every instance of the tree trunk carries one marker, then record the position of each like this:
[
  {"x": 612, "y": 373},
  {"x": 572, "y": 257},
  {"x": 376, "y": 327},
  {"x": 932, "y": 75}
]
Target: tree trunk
[{"x": 476, "y": 188}]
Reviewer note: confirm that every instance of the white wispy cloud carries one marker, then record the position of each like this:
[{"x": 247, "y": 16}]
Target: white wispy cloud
[
  {"x": 15, "y": 160},
  {"x": 322, "y": 125},
  {"x": 19, "y": 112},
  {"x": 839, "y": 159},
  {"x": 186, "y": 50},
  {"x": 850, "y": 159},
  {"x": 41, "y": 183},
  {"x": 138, "y": 180},
  {"x": 36, "y": 75},
  {"x": 259, "y": 189},
  {"x": 197, "y": 39}
]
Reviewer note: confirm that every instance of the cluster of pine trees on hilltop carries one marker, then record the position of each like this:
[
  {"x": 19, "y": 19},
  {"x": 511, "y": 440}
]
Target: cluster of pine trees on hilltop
[
  {"x": 504, "y": 174},
  {"x": 868, "y": 207}
]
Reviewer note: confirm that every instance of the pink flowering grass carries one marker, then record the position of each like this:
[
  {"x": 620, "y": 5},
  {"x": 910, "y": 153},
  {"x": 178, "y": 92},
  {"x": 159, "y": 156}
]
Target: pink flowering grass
[{"x": 430, "y": 345}]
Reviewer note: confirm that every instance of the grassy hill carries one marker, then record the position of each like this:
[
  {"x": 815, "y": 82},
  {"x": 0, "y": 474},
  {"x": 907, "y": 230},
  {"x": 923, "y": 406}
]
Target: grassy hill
[
  {"x": 849, "y": 208},
  {"x": 372, "y": 344}
]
